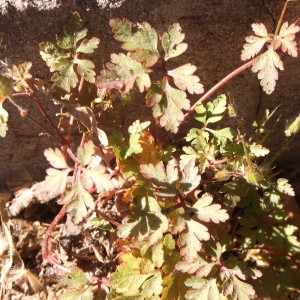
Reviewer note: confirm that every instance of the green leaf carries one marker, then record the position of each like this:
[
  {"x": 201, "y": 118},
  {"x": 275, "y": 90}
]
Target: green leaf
[
  {"x": 201, "y": 113},
  {"x": 20, "y": 74},
  {"x": 163, "y": 178},
  {"x": 56, "y": 158},
  {"x": 66, "y": 78},
  {"x": 258, "y": 150},
  {"x": 122, "y": 73},
  {"x": 145, "y": 222},
  {"x": 152, "y": 286},
  {"x": 6, "y": 89},
  {"x": 88, "y": 46},
  {"x": 174, "y": 287},
  {"x": 222, "y": 135},
  {"x": 266, "y": 66},
  {"x": 172, "y": 42},
  {"x": 78, "y": 201},
  {"x": 202, "y": 289},
  {"x": 292, "y": 127},
  {"x": 3, "y": 120},
  {"x": 75, "y": 279},
  {"x": 85, "y": 294},
  {"x": 284, "y": 187},
  {"x": 128, "y": 278},
  {"x": 215, "y": 109},
  {"x": 75, "y": 27},
  {"x": 185, "y": 80},
  {"x": 207, "y": 212},
  {"x": 85, "y": 153},
  {"x": 85, "y": 69},
  {"x": 283, "y": 237},
  {"x": 140, "y": 39},
  {"x": 169, "y": 109}
]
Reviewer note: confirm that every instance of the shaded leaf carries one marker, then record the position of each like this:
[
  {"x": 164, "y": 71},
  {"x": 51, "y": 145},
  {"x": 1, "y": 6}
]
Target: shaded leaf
[
  {"x": 189, "y": 176},
  {"x": 56, "y": 158},
  {"x": 202, "y": 289},
  {"x": 172, "y": 42},
  {"x": 174, "y": 287},
  {"x": 185, "y": 80},
  {"x": 6, "y": 89},
  {"x": 266, "y": 66}
]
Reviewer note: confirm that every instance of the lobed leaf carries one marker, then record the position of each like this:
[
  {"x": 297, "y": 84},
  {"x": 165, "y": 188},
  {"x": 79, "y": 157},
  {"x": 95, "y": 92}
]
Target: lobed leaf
[
  {"x": 85, "y": 153},
  {"x": 84, "y": 294},
  {"x": 202, "y": 289},
  {"x": 75, "y": 279},
  {"x": 287, "y": 38},
  {"x": 172, "y": 42},
  {"x": 169, "y": 108},
  {"x": 88, "y": 46},
  {"x": 292, "y": 126},
  {"x": 185, "y": 80},
  {"x": 215, "y": 109},
  {"x": 255, "y": 43},
  {"x": 85, "y": 69},
  {"x": 6, "y": 89},
  {"x": 207, "y": 212},
  {"x": 284, "y": 187},
  {"x": 122, "y": 73},
  {"x": 258, "y": 150},
  {"x": 56, "y": 180},
  {"x": 56, "y": 158},
  {"x": 3, "y": 120},
  {"x": 190, "y": 179},
  {"x": 173, "y": 286},
  {"x": 266, "y": 66},
  {"x": 140, "y": 39}
]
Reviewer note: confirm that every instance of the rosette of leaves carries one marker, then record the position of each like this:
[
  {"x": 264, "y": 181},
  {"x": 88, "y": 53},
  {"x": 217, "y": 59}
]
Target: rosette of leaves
[
  {"x": 168, "y": 96},
  {"x": 64, "y": 58}
]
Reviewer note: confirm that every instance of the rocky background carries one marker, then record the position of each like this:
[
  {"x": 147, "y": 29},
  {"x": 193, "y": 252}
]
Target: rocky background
[{"x": 215, "y": 31}]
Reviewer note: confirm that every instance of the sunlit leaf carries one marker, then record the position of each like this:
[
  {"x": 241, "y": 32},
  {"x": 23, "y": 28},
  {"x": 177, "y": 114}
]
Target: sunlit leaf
[
  {"x": 266, "y": 66},
  {"x": 75, "y": 279},
  {"x": 56, "y": 158},
  {"x": 185, "y": 80},
  {"x": 207, "y": 212},
  {"x": 85, "y": 153},
  {"x": 292, "y": 127},
  {"x": 284, "y": 187},
  {"x": 6, "y": 89},
  {"x": 215, "y": 109},
  {"x": 189, "y": 176},
  {"x": 258, "y": 150},
  {"x": 85, "y": 69},
  {"x": 172, "y": 42},
  {"x": 255, "y": 43},
  {"x": 174, "y": 287},
  {"x": 3, "y": 121},
  {"x": 56, "y": 180},
  {"x": 88, "y": 46},
  {"x": 287, "y": 38},
  {"x": 202, "y": 289},
  {"x": 83, "y": 294},
  {"x": 169, "y": 109}
]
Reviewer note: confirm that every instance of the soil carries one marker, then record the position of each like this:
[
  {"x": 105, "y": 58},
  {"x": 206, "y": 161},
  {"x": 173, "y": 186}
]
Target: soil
[{"x": 215, "y": 31}]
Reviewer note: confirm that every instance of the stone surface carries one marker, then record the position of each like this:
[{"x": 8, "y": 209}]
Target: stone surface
[{"x": 215, "y": 31}]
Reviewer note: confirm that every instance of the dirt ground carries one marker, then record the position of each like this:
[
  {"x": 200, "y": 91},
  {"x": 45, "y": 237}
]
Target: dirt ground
[{"x": 215, "y": 31}]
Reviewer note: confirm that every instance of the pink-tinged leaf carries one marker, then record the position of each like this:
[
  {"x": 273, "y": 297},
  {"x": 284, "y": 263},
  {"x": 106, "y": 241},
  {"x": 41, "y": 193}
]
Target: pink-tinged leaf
[
  {"x": 287, "y": 38},
  {"x": 208, "y": 212},
  {"x": 189, "y": 246},
  {"x": 202, "y": 289},
  {"x": 85, "y": 153},
  {"x": 56, "y": 180},
  {"x": 172, "y": 42},
  {"x": 260, "y": 29},
  {"x": 122, "y": 73},
  {"x": 185, "y": 80},
  {"x": 169, "y": 109},
  {"x": 56, "y": 158},
  {"x": 266, "y": 66}
]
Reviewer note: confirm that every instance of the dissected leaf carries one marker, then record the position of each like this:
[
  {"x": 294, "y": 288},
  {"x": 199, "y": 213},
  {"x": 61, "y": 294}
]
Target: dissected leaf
[
  {"x": 202, "y": 289},
  {"x": 221, "y": 136},
  {"x": 207, "y": 212},
  {"x": 174, "y": 287},
  {"x": 163, "y": 178},
  {"x": 85, "y": 69},
  {"x": 185, "y": 80},
  {"x": 88, "y": 46},
  {"x": 215, "y": 109},
  {"x": 3, "y": 120},
  {"x": 284, "y": 187},
  {"x": 190, "y": 179},
  {"x": 20, "y": 74},
  {"x": 287, "y": 38},
  {"x": 56, "y": 180},
  {"x": 292, "y": 127},
  {"x": 255, "y": 43},
  {"x": 266, "y": 66},
  {"x": 6, "y": 88},
  {"x": 121, "y": 74},
  {"x": 75, "y": 279},
  {"x": 258, "y": 150},
  {"x": 237, "y": 289},
  {"x": 85, "y": 294},
  {"x": 169, "y": 108},
  {"x": 85, "y": 153},
  {"x": 141, "y": 39},
  {"x": 56, "y": 158},
  {"x": 172, "y": 42}
]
